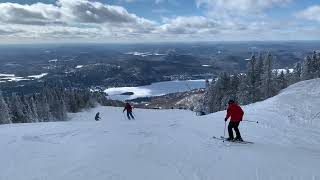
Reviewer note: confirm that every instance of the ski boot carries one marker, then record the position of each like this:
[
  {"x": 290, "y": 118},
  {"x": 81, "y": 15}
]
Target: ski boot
[
  {"x": 229, "y": 139},
  {"x": 238, "y": 139}
]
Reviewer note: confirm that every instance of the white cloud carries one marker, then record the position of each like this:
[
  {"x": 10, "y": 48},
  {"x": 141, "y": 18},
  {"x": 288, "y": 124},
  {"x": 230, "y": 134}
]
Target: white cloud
[
  {"x": 70, "y": 19},
  {"x": 241, "y": 19},
  {"x": 239, "y": 7},
  {"x": 38, "y": 13},
  {"x": 95, "y": 21},
  {"x": 5, "y": 31},
  {"x": 311, "y": 13},
  {"x": 188, "y": 25},
  {"x": 202, "y": 25},
  {"x": 200, "y": 28},
  {"x": 67, "y": 11},
  {"x": 84, "y": 11},
  {"x": 49, "y": 31}
]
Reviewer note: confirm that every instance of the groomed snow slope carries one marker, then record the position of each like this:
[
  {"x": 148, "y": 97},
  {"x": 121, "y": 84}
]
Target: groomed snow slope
[{"x": 171, "y": 144}]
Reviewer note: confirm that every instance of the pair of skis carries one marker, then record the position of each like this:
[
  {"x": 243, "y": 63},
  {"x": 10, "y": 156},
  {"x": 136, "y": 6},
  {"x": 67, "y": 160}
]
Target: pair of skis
[{"x": 225, "y": 140}]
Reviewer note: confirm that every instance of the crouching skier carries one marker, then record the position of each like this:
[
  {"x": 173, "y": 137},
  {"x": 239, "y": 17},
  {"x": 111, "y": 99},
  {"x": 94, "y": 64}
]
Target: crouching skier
[
  {"x": 235, "y": 113},
  {"x": 128, "y": 108},
  {"x": 97, "y": 117}
]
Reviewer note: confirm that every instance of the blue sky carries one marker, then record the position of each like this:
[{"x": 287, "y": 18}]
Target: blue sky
[{"x": 158, "y": 20}]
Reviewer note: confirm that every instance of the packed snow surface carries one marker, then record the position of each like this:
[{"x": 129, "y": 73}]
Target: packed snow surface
[
  {"x": 155, "y": 89},
  {"x": 171, "y": 144}
]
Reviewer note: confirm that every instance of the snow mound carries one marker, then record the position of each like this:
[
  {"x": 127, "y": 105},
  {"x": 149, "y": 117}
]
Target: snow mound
[
  {"x": 300, "y": 103},
  {"x": 297, "y": 105},
  {"x": 289, "y": 115}
]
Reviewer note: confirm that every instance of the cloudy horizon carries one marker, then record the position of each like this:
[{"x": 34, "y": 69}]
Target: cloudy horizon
[{"x": 110, "y": 21}]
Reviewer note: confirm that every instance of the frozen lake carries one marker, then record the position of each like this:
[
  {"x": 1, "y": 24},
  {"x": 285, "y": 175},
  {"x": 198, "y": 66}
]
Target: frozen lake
[{"x": 155, "y": 89}]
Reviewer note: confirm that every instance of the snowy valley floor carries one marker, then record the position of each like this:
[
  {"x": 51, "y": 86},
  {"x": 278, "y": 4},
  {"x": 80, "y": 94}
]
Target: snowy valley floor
[{"x": 170, "y": 144}]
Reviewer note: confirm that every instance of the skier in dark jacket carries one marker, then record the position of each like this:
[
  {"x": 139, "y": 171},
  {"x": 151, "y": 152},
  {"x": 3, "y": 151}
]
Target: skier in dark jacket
[
  {"x": 235, "y": 113},
  {"x": 128, "y": 108},
  {"x": 97, "y": 117}
]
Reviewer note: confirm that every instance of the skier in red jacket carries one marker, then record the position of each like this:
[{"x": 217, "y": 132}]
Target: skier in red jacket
[
  {"x": 236, "y": 113},
  {"x": 128, "y": 108}
]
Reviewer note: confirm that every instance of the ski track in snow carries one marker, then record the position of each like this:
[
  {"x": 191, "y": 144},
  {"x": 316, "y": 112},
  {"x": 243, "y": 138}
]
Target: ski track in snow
[{"x": 170, "y": 144}]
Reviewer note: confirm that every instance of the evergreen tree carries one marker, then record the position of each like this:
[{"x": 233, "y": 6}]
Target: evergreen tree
[
  {"x": 216, "y": 96},
  {"x": 316, "y": 57},
  {"x": 5, "y": 117},
  {"x": 266, "y": 86},
  {"x": 43, "y": 109},
  {"x": 221, "y": 92},
  {"x": 259, "y": 83},
  {"x": 259, "y": 68},
  {"x": 55, "y": 106},
  {"x": 71, "y": 101},
  {"x": 26, "y": 110},
  {"x": 51, "y": 104},
  {"x": 252, "y": 80},
  {"x": 33, "y": 108},
  {"x": 314, "y": 65},
  {"x": 281, "y": 81},
  {"x": 16, "y": 108},
  {"x": 243, "y": 90},
  {"x": 234, "y": 85},
  {"x": 208, "y": 106},
  {"x": 306, "y": 73},
  {"x": 61, "y": 114},
  {"x": 296, "y": 74},
  {"x": 259, "y": 77}
]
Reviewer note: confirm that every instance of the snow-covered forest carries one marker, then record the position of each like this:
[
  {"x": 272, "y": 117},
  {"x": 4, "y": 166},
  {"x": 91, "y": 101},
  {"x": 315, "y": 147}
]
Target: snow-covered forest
[
  {"x": 261, "y": 81},
  {"x": 51, "y": 104}
]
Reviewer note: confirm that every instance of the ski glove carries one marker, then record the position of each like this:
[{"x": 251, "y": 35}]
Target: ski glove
[{"x": 225, "y": 119}]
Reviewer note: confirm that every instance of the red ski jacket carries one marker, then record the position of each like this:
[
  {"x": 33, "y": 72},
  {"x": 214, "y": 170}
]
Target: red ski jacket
[
  {"x": 128, "y": 107},
  {"x": 235, "y": 112}
]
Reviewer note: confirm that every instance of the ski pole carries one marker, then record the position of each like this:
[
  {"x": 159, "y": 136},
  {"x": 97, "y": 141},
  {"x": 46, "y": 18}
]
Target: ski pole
[
  {"x": 251, "y": 121},
  {"x": 224, "y": 131}
]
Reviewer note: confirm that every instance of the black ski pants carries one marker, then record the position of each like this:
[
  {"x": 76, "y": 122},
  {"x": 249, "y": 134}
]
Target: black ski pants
[
  {"x": 129, "y": 115},
  {"x": 234, "y": 125}
]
